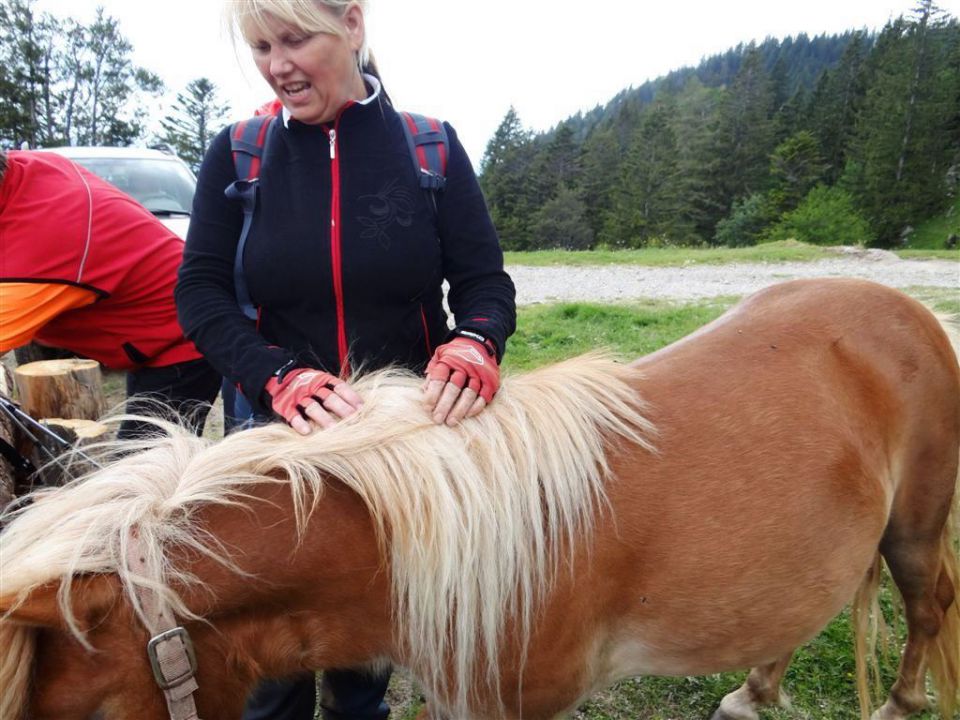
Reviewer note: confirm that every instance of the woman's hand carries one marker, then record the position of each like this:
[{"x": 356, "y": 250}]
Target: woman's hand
[
  {"x": 306, "y": 398},
  {"x": 462, "y": 379}
]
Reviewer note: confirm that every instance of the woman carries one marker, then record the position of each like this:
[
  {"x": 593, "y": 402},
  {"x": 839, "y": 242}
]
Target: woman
[{"x": 344, "y": 260}]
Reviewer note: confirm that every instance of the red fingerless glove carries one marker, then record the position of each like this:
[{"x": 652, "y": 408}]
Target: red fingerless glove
[
  {"x": 297, "y": 389},
  {"x": 466, "y": 362}
]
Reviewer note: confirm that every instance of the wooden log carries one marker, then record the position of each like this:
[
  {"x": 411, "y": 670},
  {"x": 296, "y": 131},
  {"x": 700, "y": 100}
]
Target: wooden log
[
  {"x": 66, "y": 388},
  {"x": 9, "y": 434},
  {"x": 76, "y": 433}
]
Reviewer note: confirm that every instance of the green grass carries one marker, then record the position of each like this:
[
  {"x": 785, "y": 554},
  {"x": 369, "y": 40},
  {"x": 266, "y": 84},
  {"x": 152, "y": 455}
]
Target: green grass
[
  {"x": 787, "y": 250},
  {"x": 944, "y": 300},
  {"x": 548, "y": 333},
  {"x": 933, "y": 233},
  {"x": 915, "y": 254},
  {"x": 781, "y": 251}
]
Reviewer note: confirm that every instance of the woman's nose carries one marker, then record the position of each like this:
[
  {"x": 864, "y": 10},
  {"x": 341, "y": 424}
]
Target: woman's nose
[{"x": 279, "y": 62}]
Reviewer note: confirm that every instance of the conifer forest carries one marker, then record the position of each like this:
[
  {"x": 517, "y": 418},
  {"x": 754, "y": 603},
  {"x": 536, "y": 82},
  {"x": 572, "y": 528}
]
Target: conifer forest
[{"x": 841, "y": 139}]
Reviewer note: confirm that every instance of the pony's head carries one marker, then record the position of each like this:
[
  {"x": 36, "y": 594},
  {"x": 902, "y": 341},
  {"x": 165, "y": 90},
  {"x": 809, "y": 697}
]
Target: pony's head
[
  {"x": 47, "y": 672},
  {"x": 72, "y": 632}
]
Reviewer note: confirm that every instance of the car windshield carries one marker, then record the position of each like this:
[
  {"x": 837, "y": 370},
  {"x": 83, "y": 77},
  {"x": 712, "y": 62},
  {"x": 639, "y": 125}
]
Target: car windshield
[{"x": 164, "y": 187}]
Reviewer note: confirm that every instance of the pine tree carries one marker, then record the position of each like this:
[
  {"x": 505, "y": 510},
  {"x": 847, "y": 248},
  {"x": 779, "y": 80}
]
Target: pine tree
[
  {"x": 746, "y": 132},
  {"x": 111, "y": 80},
  {"x": 505, "y": 183},
  {"x": 795, "y": 168},
  {"x": 26, "y": 69},
  {"x": 901, "y": 153},
  {"x": 600, "y": 158},
  {"x": 556, "y": 165},
  {"x": 65, "y": 83},
  {"x": 835, "y": 105},
  {"x": 197, "y": 116},
  {"x": 951, "y": 76},
  {"x": 780, "y": 85},
  {"x": 508, "y": 135},
  {"x": 561, "y": 222},
  {"x": 694, "y": 119},
  {"x": 647, "y": 202}
]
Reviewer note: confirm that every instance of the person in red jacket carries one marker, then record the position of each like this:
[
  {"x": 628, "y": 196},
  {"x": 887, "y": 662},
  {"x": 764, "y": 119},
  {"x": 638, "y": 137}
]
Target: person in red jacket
[{"x": 86, "y": 268}]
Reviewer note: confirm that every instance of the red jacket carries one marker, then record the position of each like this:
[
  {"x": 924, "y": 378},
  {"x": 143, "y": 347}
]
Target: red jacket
[{"x": 62, "y": 224}]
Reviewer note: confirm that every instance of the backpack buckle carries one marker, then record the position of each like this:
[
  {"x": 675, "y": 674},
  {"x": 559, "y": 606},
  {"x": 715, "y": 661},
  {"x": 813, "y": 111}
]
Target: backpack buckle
[{"x": 430, "y": 180}]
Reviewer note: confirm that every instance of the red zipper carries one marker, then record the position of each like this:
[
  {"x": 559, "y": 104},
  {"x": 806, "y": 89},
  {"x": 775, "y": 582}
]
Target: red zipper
[
  {"x": 426, "y": 331},
  {"x": 336, "y": 254}
]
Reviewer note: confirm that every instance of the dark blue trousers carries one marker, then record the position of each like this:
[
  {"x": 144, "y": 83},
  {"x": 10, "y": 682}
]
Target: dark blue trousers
[
  {"x": 188, "y": 388},
  {"x": 345, "y": 695},
  {"x": 237, "y": 412}
]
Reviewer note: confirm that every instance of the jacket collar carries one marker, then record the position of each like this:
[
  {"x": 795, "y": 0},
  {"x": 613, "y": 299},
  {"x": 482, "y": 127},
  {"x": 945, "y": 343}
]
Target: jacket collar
[{"x": 373, "y": 85}]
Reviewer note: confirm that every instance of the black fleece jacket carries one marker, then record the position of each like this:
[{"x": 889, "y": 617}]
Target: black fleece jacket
[{"x": 373, "y": 291}]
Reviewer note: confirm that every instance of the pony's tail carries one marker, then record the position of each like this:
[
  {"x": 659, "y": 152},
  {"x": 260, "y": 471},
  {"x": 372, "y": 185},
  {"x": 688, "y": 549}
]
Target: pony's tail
[
  {"x": 868, "y": 626},
  {"x": 944, "y": 656},
  {"x": 16, "y": 664}
]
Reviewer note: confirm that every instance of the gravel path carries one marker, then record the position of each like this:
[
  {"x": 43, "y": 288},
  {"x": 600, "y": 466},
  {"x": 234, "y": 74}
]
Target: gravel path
[{"x": 623, "y": 283}]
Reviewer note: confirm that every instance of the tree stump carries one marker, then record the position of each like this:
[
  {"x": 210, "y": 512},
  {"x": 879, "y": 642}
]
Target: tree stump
[
  {"x": 67, "y": 388},
  {"x": 9, "y": 434},
  {"x": 76, "y": 433}
]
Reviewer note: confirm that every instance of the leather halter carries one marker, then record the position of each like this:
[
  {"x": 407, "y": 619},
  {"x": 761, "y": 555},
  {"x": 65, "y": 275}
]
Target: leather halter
[{"x": 170, "y": 649}]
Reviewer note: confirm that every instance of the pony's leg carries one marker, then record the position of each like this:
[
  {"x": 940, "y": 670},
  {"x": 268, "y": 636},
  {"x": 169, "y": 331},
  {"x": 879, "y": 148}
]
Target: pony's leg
[
  {"x": 914, "y": 560},
  {"x": 762, "y": 687}
]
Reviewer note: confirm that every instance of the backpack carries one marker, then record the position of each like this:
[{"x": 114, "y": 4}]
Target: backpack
[{"x": 426, "y": 140}]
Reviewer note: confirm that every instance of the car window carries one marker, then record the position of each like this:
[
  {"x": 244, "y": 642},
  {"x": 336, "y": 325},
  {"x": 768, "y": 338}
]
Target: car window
[{"x": 162, "y": 186}]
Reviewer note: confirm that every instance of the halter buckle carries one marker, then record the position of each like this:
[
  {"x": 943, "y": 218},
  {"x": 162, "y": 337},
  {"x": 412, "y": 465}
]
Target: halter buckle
[{"x": 186, "y": 647}]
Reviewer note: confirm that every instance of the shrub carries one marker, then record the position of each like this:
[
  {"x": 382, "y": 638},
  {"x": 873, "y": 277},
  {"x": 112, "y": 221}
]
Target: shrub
[
  {"x": 826, "y": 216},
  {"x": 747, "y": 220},
  {"x": 562, "y": 223}
]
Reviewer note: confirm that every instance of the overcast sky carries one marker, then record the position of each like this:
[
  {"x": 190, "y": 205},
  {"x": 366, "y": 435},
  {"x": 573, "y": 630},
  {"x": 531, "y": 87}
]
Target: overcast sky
[{"x": 467, "y": 61}]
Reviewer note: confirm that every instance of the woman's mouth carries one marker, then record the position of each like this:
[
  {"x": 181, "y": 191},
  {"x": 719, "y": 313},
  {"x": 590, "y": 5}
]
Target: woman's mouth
[{"x": 295, "y": 90}]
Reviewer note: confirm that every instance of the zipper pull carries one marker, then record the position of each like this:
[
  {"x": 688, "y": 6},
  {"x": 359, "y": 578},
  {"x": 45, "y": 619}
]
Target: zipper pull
[{"x": 333, "y": 144}]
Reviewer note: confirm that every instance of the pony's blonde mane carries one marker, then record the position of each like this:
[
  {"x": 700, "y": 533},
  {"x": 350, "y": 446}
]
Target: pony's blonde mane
[{"x": 475, "y": 514}]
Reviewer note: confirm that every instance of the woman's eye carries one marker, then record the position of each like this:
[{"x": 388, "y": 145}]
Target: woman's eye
[
  {"x": 296, "y": 40},
  {"x": 260, "y": 47}
]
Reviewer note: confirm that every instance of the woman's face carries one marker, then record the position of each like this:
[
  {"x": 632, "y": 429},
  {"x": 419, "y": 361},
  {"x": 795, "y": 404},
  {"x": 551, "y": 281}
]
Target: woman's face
[{"x": 314, "y": 75}]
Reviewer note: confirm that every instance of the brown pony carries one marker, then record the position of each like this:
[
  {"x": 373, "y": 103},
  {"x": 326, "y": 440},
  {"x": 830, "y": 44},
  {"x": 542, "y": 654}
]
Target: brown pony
[{"x": 569, "y": 536}]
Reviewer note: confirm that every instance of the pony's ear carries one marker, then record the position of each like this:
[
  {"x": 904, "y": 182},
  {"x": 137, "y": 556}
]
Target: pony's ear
[
  {"x": 91, "y": 597},
  {"x": 39, "y": 608}
]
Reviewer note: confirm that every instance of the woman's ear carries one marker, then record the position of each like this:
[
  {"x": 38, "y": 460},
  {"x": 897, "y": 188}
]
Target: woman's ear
[{"x": 353, "y": 22}]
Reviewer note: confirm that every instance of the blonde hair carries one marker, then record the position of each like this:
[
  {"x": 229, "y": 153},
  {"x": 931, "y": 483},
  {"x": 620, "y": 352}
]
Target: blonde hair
[
  {"x": 309, "y": 16},
  {"x": 474, "y": 518}
]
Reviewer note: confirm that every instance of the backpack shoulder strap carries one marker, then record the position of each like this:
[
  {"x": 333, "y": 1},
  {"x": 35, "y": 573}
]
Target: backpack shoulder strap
[
  {"x": 247, "y": 140},
  {"x": 429, "y": 149}
]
